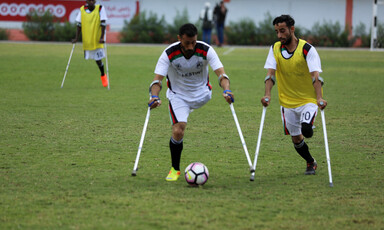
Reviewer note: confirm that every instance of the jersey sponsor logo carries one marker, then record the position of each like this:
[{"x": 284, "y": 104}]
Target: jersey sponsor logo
[
  {"x": 183, "y": 71},
  {"x": 191, "y": 74},
  {"x": 199, "y": 65}
]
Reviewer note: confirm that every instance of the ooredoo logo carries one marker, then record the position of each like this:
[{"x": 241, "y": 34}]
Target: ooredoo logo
[{"x": 22, "y": 9}]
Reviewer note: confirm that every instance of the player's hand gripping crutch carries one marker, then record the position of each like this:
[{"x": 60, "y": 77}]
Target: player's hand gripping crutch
[
  {"x": 326, "y": 146},
  {"x": 240, "y": 133},
  {"x": 253, "y": 169},
  {"x": 69, "y": 61},
  {"x": 141, "y": 141}
]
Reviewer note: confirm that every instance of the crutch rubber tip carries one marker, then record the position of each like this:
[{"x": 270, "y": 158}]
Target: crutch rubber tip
[
  {"x": 134, "y": 173},
  {"x": 252, "y": 178},
  {"x": 331, "y": 185}
]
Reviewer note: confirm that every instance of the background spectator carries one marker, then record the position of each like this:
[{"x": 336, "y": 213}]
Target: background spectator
[
  {"x": 220, "y": 13},
  {"x": 206, "y": 15}
]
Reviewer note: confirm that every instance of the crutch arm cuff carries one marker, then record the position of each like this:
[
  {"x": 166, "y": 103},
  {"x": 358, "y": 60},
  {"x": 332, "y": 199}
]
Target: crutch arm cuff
[
  {"x": 221, "y": 76},
  {"x": 155, "y": 82},
  {"x": 272, "y": 77},
  {"x": 320, "y": 79}
]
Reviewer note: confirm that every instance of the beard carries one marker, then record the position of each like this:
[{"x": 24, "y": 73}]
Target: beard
[
  {"x": 187, "y": 53},
  {"x": 286, "y": 41}
]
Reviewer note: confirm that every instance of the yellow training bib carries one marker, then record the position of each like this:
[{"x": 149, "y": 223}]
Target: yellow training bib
[
  {"x": 293, "y": 78},
  {"x": 91, "y": 29}
]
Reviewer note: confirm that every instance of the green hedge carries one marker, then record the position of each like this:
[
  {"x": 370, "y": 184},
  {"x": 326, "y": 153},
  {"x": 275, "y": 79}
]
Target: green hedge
[
  {"x": 149, "y": 28},
  {"x": 3, "y": 34},
  {"x": 243, "y": 32},
  {"x": 328, "y": 34},
  {"x": 46, "y": 27},
  {"x": 143, "y": 29},
  {"x": 380, "y": 35},
  {"x": 39, "y": 27}
]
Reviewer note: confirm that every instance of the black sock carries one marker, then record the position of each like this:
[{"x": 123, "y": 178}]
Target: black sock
[
  {"x": 176, "y": 147},
  {"x": 303, "y": 150},
  {"x": 101, "y": 67}
]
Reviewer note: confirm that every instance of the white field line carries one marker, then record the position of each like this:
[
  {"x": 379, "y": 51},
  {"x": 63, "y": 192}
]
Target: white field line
[{"x": 229, "y": 51}]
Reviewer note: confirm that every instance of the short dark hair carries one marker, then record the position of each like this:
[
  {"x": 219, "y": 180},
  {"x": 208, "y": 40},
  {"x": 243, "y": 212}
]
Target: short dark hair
[
  {"x": 188, "y": 29},
  {"x": 284, "y": 18}
]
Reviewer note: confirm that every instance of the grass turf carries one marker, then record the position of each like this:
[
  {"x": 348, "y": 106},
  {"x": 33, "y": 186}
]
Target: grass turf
[{"x": 66, "y": 155}]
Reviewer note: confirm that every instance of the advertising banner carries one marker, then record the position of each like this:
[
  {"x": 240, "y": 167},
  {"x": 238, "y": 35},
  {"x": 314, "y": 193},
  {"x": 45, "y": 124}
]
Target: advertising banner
[{"x": 66, "y": 10}]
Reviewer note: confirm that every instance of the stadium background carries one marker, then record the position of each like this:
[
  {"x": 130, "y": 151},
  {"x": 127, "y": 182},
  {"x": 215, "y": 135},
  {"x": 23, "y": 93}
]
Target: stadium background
[{"x": 348, "y": 13}]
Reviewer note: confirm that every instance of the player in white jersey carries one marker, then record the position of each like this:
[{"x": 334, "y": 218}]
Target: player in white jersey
[
  {"x": 185, "y": 65},
  {"x": 296, "y": 65}
]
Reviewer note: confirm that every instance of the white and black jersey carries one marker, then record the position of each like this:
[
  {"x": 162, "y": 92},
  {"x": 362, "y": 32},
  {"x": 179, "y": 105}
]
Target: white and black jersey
[{"x": 188, "y": 78}]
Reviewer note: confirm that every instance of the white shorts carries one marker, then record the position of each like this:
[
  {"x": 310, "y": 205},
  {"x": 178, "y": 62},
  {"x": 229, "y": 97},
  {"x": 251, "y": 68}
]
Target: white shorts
[
  {"x": 96, "y": 54},
  {"x": 292, "y": 118},
  {"x": 180, "y": 109}
]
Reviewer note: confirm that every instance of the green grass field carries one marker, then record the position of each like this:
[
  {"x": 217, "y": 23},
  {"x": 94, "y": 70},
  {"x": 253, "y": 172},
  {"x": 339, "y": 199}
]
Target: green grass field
[{"x": 66, "y": 155}]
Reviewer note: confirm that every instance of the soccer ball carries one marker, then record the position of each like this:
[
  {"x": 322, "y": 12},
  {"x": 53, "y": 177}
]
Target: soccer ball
[{"x": 196, "y": 174}]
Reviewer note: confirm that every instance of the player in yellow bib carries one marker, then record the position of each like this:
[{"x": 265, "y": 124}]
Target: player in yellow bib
[
  {"x": 295, "y": 65},
  {"x": 91, "y": 22}
]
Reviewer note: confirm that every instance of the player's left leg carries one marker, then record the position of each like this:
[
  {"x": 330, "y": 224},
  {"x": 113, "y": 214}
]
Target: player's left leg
[
  {"x": 103, "y": 77},
  {"x": 98, "y": 55},
  {"x": 291, "y": 121},
  {"x": 100, "y": 64},
  {"x": 303, "y": 150},
  {"x": 179, "y": 112},
  {"x": 308, "y": 114},
  {"x": 176, "y": 147}
]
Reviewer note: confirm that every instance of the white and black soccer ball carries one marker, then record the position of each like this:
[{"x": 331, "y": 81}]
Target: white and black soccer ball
[{"x": 196, "y": 174}]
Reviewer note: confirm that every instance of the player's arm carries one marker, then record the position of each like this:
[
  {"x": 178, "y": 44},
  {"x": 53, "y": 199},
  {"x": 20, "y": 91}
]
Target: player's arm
[
  {"x": 78, "y": 31},
  {"x": 154, "y": 90},
  {"x": 269, "y": 82},
  {"x": 78, "y": 27},
  {"x": 314, "y": 66},
  {"x": 103, "y": 22},
  {"x": 317, "y": 84},
  {"x": 224, "y": 83},
  {"x": 270, "y": 65},
  {"x": 103, "y": 25}
]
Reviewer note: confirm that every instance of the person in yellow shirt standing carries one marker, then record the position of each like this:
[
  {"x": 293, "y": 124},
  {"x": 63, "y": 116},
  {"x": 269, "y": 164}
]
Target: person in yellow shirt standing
[
  {"x": 295, "y": 65},
  {"x": 91, "y": 22}
]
